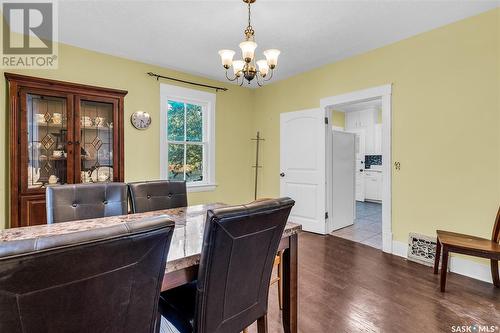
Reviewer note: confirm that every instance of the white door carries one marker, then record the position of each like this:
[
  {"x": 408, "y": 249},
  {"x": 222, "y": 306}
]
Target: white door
[
  {"x": 302, "y": 163},
  {"x": 343, "y": 175}
]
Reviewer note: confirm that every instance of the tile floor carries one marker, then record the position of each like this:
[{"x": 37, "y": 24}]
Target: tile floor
[{"x": 367, "y": 228}]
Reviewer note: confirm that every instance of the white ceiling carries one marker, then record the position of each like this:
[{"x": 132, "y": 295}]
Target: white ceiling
[{"x": 186, "y": 35}]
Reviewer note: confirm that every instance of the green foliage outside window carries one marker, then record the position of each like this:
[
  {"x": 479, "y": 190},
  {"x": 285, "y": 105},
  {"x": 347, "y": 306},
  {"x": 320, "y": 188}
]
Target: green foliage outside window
[{"x": 185, "y": 141}]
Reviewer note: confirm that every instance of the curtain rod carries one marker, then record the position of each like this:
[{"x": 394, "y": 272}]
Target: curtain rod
[{"x": 158, "y": 76}]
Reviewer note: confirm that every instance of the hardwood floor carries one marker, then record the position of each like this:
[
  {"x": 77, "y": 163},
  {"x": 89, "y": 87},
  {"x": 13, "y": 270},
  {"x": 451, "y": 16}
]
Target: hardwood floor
[{"x": 351, "y": 287}]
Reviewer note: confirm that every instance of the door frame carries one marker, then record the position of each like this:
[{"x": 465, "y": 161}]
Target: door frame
[{"x": 385, "y": 93}]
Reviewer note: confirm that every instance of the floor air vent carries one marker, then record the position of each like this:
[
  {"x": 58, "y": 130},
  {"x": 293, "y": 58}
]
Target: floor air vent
[{"x": 421, "y": 249}]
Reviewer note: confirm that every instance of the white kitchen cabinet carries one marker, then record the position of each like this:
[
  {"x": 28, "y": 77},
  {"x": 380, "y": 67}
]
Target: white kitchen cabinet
[
  {"x": 368, "y": 118},
  {"x": 373, "y": 185},
  {"x": 359, "y": 189},
  {"x": 364, "y": 120},
  {"x": 368, "y": 141},
  {"x": 352, "y": 120},
  {"x": 360, "y": 119}
]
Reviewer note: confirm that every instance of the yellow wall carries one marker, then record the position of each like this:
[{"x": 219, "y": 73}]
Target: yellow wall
[
  {"x": 234, "y": 119},
  {"x": 446, "y": 122},
  {"x": 338, "y": 119}
]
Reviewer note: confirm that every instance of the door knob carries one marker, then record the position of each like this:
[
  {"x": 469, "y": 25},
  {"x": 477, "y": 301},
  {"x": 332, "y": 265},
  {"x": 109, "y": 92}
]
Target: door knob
[
  {"x": 360, "y": 170},
  {"x": 282, "y": 174}
]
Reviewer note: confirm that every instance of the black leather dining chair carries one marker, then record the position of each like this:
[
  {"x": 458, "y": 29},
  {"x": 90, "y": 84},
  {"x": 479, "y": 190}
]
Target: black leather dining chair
[
  {"x": 99, "y": 280},
  {"x": 156, "y": 195},
  {"x": 85, "y": 201},
  {"x": 239, "y": 247}
]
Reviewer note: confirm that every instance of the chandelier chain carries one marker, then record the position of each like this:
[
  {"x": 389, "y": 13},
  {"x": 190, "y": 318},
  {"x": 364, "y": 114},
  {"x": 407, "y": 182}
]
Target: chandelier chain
[
  {"x": 249, "y": 32},
  {"x": 249, "y": 15}
]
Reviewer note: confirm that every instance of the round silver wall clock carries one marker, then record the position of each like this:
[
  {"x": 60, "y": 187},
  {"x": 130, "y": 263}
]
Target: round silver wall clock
[{"x": 140, "y": 120}]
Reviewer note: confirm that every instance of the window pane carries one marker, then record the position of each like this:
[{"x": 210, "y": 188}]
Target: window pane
[
  {"x": 175, "y": 118},
  {"x": 176, "y": 161},
  {"x": 96, "y": 135},
  {"x": 194, "y": 163},
  {"x": 194, "y": 123},
  {"x": 47, "y": 140}
]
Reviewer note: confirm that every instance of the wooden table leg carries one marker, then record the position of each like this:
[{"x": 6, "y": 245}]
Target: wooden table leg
[
  {"x": 290, "y": 286},
  {"x": 494, "y": 273},
  {"x": 444, "y": 268},
  {"x": 438, "y": 256}
]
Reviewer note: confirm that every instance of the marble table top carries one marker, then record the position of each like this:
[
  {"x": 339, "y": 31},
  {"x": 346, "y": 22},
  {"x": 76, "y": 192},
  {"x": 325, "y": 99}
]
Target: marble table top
[{"x": 187, "y": 239}]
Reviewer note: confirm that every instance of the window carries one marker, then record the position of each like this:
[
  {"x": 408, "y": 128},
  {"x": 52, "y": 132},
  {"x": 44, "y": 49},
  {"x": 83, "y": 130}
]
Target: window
[{"x": 187, "y": 137}]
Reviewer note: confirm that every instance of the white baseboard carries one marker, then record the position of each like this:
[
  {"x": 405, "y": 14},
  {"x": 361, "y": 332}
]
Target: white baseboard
[
  {"x": 457, "y": 265},
  {"x": 387, "y": 242},
  {"x": 470, "y": 268},
  {"x": 400, "y": 249}
]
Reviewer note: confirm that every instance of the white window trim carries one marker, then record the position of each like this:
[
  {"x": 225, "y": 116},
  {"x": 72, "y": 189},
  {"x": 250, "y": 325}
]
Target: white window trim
[{"x": 170, "y": 92}]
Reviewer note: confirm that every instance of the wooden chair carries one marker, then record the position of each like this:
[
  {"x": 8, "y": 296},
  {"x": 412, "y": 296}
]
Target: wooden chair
[
  {"x": 277, "y": 279},
  {"x": 469, "y": 245}
]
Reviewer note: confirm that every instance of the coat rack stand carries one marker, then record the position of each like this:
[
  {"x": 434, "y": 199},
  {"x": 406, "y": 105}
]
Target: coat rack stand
[{"x": 257, "y": 139}]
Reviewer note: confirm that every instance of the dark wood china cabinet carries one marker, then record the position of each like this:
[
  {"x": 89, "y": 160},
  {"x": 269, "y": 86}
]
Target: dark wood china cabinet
[{"x": 60, "y": 133}]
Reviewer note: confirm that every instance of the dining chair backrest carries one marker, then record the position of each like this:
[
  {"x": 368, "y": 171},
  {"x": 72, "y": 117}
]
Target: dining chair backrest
[
  {"x": 85, "y": 201},
  {"x": 157, "y": 195},
  {"x": 99, "y": 280},
  {"x": 239, "y": 248},
  {"x": 495, "y": 236}
]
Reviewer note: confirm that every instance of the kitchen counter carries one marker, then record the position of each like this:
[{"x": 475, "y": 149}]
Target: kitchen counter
[{"x": 373, "y": 170}]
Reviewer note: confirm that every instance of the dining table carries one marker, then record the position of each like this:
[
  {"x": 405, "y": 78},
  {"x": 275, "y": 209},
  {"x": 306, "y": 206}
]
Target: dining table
[{"x": 185, "y": 248}]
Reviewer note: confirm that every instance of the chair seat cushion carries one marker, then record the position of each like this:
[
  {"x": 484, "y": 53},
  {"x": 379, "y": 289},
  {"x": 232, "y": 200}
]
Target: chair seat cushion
[
  {"x": 467, "y": 242},
  {"x": 177, "y": 307}
]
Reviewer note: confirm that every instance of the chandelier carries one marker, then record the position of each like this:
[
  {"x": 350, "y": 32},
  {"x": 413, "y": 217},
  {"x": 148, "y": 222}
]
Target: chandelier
[{"x": 249, "y": 69}]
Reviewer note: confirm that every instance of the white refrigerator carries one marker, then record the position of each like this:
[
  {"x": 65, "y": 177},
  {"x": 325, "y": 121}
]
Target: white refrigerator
[{"x": 343, "y": 180}]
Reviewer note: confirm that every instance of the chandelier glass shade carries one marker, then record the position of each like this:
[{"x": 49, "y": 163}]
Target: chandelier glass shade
[{"x": 249, "y": 68}]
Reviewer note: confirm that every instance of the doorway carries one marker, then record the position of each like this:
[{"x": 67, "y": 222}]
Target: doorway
[
  {"x": 362, "y": 120},
  {"x": 366, "y": 114}
]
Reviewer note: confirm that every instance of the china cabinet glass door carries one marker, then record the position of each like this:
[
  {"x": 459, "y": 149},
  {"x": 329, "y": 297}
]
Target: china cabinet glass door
[
  {"x": 94, "y": 123},
  {"x": 46, "y": 136}
]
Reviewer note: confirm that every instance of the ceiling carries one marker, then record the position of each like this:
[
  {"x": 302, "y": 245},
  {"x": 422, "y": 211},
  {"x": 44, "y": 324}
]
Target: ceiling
[{"x": 186, "y": 35}]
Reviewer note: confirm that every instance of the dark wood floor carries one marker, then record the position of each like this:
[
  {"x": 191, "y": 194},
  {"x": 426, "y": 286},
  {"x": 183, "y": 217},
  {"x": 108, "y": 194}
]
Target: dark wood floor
[{"x": 351, "y": 287}]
